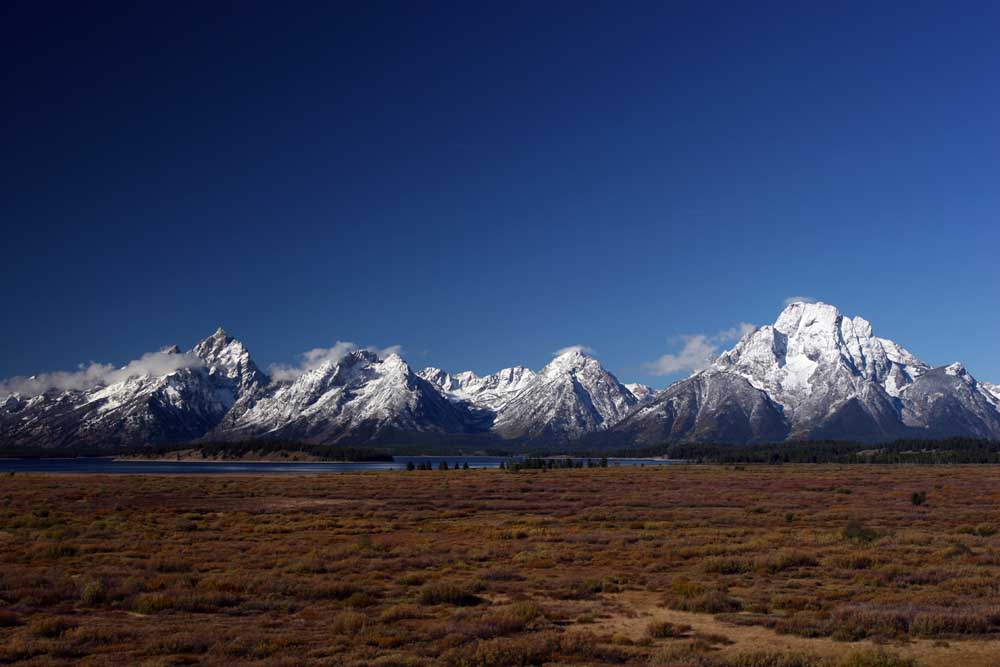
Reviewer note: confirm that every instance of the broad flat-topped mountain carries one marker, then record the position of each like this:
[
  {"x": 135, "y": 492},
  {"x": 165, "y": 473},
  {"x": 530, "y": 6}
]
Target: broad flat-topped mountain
[{"x": 813, "y": 374}]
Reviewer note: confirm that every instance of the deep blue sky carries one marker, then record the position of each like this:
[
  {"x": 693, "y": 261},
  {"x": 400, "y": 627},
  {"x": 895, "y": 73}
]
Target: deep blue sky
[{"x": 485, "y": 184}]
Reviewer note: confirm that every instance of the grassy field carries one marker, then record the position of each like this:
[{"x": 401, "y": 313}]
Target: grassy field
[{"x": 694, "y": 566}]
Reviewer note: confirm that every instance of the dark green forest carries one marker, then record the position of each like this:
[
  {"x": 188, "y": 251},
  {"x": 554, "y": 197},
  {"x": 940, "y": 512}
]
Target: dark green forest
[{"x": 947, "y": 451}]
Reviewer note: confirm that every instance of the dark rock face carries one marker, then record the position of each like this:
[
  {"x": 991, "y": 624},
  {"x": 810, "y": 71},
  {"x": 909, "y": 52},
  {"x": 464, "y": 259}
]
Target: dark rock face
[
  {"x": 710, "y": 406},
  {"x": 948, "y": 401}
]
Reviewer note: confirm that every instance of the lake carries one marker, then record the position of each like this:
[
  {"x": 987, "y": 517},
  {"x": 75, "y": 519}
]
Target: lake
[{"x": 115, "y": 467}]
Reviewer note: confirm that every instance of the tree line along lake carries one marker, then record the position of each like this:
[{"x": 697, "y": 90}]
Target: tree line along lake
[{"x": 113, "y": 466}]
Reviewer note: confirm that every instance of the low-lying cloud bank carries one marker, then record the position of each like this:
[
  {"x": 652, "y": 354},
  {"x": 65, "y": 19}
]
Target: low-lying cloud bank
[{"x": 94, "y": 375}]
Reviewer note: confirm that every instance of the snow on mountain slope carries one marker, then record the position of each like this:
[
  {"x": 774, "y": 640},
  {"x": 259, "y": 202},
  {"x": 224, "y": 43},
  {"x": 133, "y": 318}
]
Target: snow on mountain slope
[
  {"x": 490, "y": 392},
  {"x": 178, "y": 405},
  {"x": 643, "y": 392},
  {"x": 949, "y": 401},
  {"x": 360, "y": 398},
  {"x": 227, "y": 357},
  {"x": 814, "y": 361},
  {"x": 573, "y": 395},
  {"x": 825, "y": 376},
  {"x": 812, "y": 374}
]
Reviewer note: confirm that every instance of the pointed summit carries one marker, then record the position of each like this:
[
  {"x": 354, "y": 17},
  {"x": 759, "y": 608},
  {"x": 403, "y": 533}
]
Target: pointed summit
[
  {"x": 356, "y": 399},
  {"x": 228, "y": 357},
  {"x": 574, "y": 352},
  {"x": 569, "y": 359},
  {"x": 489, "y": 392},
  {"x": 572, "y": 396},
  {"x": 642, "y": 392},
  {"x": 214, "y": 343}
]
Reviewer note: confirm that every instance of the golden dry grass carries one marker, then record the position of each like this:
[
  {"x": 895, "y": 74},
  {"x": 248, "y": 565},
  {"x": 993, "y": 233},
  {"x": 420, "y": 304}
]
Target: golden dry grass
[{"x": 768, "y": 566}]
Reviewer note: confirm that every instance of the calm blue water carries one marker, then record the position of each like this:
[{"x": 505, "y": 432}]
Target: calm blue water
[{"x": 111, "y": 466}]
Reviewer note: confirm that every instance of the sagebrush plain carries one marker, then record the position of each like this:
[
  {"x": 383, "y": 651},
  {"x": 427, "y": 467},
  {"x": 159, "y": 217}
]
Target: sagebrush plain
[{"x": 755, "y": 566}]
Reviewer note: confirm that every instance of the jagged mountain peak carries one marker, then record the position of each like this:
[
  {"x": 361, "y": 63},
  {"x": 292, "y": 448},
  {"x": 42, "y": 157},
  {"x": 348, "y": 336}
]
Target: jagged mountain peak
[
  {"x": 642, "y": 392},
  {"x": 572, "y": 396},
  {"x": 435, "y": 375},
  {"x": 394, "y": 360},
  {"x": 488, "y": 392},
  {"x": 360, "y": 357},
  {"x": 357, "y": 398},
  {"x": 957, "y": 369},
  {"x": 813, "y": 373},
  {"x": 992, "y": 389},
  {"x": 228, "y": 357},
  {"x": 570, "y": 360},
  {"x": 573, "y": 353},
  {"x": 219, "y": 340},
  {"x": 469, "y": 376},
  {"x": 817, "y": 373},
  {"x": 812, "y": 342}
]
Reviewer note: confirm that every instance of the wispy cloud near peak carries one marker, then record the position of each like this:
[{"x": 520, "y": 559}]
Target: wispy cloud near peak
[
  {"x": 318, "y": 356},
  {"x": 698, "y": 351}
]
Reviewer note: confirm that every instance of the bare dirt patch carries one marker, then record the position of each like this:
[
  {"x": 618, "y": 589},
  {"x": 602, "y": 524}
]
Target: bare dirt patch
[{"x": 638, "y": 609}]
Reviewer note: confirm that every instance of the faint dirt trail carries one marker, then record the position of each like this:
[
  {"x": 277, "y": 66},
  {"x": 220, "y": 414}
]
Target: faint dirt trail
[{"x": 643, "y": 607}]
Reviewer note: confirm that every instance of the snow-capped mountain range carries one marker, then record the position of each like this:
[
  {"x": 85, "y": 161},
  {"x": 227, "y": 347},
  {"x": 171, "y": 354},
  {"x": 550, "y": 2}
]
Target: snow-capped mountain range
[
  {"x": 572, "y": 396},
  {"x": 816, "y": 374},
  {"x": 813, "y": 374}
]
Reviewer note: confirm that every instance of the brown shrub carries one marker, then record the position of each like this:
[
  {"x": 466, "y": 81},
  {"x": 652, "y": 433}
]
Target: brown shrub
[
  {"x": 446, "y": 592},
  {"x": 710, "y": 602},
  {"x": 786, "y": 560},
  {"x": 184, "y": 642},
  {"x": 348, "y": 623},
  {"x": 949, "y": 623},
  {"x": 93, "y": 591},
  {"x": 664, "y": 629},
  {"x": 400, "y": 612},
  {"x": 854, "y": 623},
  {"x": 773, "y": 659},
  {"x": 16, "y": 649},
  {"x": 875, "y": 658},
  {"x": 49, "y": 626},
  {"x": 170, "y": 565},
  {"x": 152, "y": 603}
]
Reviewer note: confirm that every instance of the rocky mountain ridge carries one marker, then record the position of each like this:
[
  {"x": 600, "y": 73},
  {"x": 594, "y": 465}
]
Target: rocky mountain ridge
[{"x": 812, "y": 374}]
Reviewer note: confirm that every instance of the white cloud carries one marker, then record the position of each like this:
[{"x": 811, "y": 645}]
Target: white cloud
[
  {"x": 698, "y": 352},
  {"x": 386, "y": 351},
  {"x": 93, "y": 375},
  {"x": 736, "y": 333},
  {"x": 318, "y": 356},
  {"x": 799, "y": 299},
  {"x": 582, "y": 349}
]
